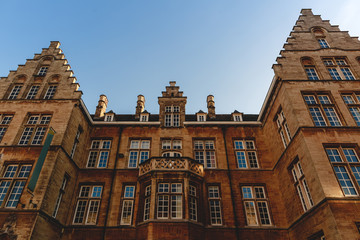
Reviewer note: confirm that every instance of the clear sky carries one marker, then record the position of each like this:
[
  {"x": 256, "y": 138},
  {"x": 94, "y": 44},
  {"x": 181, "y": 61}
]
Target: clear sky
[{"x": 125, "y": 48}]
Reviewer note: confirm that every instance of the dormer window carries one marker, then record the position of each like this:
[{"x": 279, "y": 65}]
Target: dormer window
[
  {"x": 109, "y": 117},
  {"x": 144, "y": 117},
  {"x": 323, "y": 43},
  {"x": 201, "y": 117},
  {"x": 43, "y": 71},
  {"x": 237, "y": 118}
]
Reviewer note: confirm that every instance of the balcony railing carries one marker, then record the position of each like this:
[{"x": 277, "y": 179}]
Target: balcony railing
[{"x": 171, "y": 164}]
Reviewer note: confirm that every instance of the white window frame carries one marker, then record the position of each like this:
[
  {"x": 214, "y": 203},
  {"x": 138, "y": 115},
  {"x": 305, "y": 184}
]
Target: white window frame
[
  {"x": 128, "y": 202},
  {"x": 139, "y": 151},
  {"x": 99, "y": 153}
]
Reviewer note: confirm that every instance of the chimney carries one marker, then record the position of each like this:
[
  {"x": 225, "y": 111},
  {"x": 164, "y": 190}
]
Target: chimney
[
  {"x": 101, "y": 107},
  {"x": 211, "y": 106},
  {"x": 140, "y": 106}
]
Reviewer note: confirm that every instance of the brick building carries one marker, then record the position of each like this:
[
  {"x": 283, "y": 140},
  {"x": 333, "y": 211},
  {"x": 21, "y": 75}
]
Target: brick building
[{"x": 290, "y": 172}]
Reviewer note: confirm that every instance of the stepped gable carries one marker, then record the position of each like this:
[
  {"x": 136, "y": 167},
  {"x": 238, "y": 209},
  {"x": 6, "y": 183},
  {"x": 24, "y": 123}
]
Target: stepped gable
[{"x": 58, "y": 73}]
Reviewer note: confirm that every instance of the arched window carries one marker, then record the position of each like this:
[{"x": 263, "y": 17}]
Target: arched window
[
  {"x": 319, "y": 34},
  {"x": 309, "y": 68},
  {"x": 171, "y": 154}
]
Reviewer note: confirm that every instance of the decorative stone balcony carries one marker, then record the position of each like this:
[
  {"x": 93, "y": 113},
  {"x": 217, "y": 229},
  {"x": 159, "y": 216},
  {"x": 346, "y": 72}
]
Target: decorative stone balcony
[{"x": 171, "y": 164}]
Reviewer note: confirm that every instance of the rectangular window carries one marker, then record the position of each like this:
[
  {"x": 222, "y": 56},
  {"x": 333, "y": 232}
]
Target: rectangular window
[
  {"x": 346, "y": 165},
  {"x": 139, "y": 152},
  {"x": 88, "y": 204},
  {"x": 5, "y": 120},
  {"x": 99, "y": 154},
  {"x": 147, "y": 202},
  {"x": 43, "y": 71},
  {"x": 201, "y": 117},
  {"x": 256, "y": 206},
  {"x": 172, "y": 116},
  {"x": 15, "y": 92},
  {"x": 35, "y": 129},
  {"x": 12, "y": 182},
  {"x": 144, "y": 117},
  {"x": 32, "y": 92},
  {"x": 338, "y": 68},
  {"x": 283, "y": 128},
  {"x": 322, "y": 110},
  {"x": 169, "y": 199},
  {"x": 245, "y": 153},
  {"x": 311, "y": 73},
  {"x": 214, "y": 205},
  {"x": 204, "y": 151},
  {"x": 323, "y": 43},
  {"x": 61, "y": 193},
  {"x": 352, "y": 100},
  {"x": 128, "y": 205},
  {"x": 171, "y": 148},
  {"x": 301, "y": 185},
  {"x": 50, "y": 92},
  {"x": 192, "y": 203},
  {"x": 76, "y": 141}
]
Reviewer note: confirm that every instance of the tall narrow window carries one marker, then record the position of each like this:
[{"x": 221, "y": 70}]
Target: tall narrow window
[
  {"x": 172, "y": 116},
  {"x": 32, "y": 92},
  {"x": 43, "y": 70},
  {"x": 320, "y": 105},
  {"x": 193, "y": 203},
  {"x": 147, "y": 203},
  {"x": 169, "y": 201},
  {"x": 12, "y": 182},
  {"x": 353, "y": 103},
  {"x": 35, "y": 129},
  {"x": 245, "y": 153},
  {"x": 15, "y": 92},
  {"x": 338, "y": 68},
  {"x": 346, "y": 165},
  {"x": 139, "y": 152},
  {"x": 88, "y": 204},
  {"x": 60, "y": 195},
  {"x": 128, "y": 205},
  {"x": 214, "y": 205},
  {"x": 301, "y": 185},
  {"x": 204, "y": 151},
  {"x": 256, "y": 206},
  {"x": 50, "y": 92},
  {"x": 283, "y": 128},
  {"x": 5, "y": 120},
  {"x": 310, "y": 69},
  {"x": 323, "y": 43},
  {"x": 76, "y": 141},
  {"x": 99, "y": 154}
]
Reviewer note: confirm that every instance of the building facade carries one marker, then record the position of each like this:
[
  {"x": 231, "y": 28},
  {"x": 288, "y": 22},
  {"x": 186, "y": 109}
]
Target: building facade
[{"x": 290, "y": 172}]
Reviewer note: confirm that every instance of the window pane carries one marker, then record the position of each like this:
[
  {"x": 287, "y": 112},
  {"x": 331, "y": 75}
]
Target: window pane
[
  {"x": 4, "y": 187},
  {"x": 80, "y": 211},
  {"x": 215, "y": 212},
  {"x": 247, "y": 192},
  {"x": 210, "y": 159},
  {"x": 24, "y": 171},
  {"x": 310, "y": 99},
  {"x": 133, "y": 159},
  {"x": 240, "y": 156},
  {"x": 163, "y": 188},
  {"x": 10, "y": 171},
  {"x": 324, "y": 99},
  {"x": 129, "y": 191},
  {"x": 176, "y": 206},
  {"x": 166, "y": 144},
  {"x": 135, "y": 144},
  {"x": 145, "y": 144},
  {"x": 250, "y": 213},
  {"x": 345, "y": 181},
  {"x": 311, "y": 73},
  {"x": 347, "y": 73},
  {"x": 84, "y": 191},
  {"x": 93, "y": 211},
  {"x": 127, "y": 212},
  {"x": 259, "y": 192},
  {"x": 96, "y": 191},
  {"x": 331, "y": 116},
  {"x": 106, "y": 144},
  {"x": 348, "y": 99},
  {"x": 263, "y": 213},
  {"x": 239, "y": 145},
  {"x": 92, "y": 159},
  {"x": 356, "y": 114},
  {"x": 39, "y": 135},
  {"x": 15, "y": 194},
  {"x": 103, "y": 159},
  {"x": 334, "y": 74},
  {"x": 214, "y": 192},
  {"x": 176, "y": 188},
  {"x": 317, "y": 116},
  {"x": 252, "y": 159},
  {"x": 350, "y": 155},
  {"x": 356, "y": 172},
  {"x": 95, "y": 144},
  {"x": 334, "y": 155},
  {"x": 163, "y": 206}
]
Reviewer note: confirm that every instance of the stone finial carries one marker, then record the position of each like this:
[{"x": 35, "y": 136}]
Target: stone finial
[
  {"x": 101, "y": 107},
  {"x": 140, "y": 106},
  {"x": 211, "y": 106},
  {"x": 172, "y": 83}
]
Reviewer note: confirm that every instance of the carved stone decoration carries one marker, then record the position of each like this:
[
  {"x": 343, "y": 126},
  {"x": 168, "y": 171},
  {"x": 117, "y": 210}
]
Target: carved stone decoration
[{"x": 7, "y": 232}]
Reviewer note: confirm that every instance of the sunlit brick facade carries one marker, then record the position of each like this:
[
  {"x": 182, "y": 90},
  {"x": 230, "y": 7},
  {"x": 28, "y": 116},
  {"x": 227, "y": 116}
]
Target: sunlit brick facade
[{"x": 290, "y": 172}]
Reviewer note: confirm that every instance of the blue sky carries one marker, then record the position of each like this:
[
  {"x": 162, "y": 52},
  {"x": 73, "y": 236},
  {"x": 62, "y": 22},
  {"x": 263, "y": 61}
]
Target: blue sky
[{"x": 125, "y": 48}]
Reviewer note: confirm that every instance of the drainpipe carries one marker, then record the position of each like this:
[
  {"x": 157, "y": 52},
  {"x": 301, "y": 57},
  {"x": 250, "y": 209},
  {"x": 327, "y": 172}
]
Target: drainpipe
[
  {"x": 112, "y": 183},
  {"x": 230, "y": 183}
]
